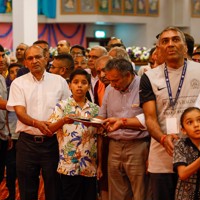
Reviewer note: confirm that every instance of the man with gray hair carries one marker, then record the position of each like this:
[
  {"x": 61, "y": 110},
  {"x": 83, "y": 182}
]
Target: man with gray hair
[
  {"x": 97, "y": 87},
  {"x": 33, "y": 97},
  {"x": 119, "y": 52},
  {"x": 128, "y": 146},
  {"x": 165, "y": 92}
]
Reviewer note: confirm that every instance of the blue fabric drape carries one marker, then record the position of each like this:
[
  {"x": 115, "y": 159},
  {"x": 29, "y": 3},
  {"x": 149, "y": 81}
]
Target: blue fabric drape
[
  {"x": 47, "y": 8},
  {"x": 2, "y": 6}
]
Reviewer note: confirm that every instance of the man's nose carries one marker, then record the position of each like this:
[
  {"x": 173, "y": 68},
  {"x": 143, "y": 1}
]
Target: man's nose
[{"x": 171, "y": 43}]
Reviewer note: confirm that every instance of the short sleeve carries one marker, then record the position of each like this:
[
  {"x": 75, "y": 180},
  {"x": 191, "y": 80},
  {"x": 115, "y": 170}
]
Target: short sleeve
[
  {"x": 16, "y": 96},
  {"x": 146, "y": 92},
  {"x": 179, "y": 155},
  {"x": 57, "y": 112}
]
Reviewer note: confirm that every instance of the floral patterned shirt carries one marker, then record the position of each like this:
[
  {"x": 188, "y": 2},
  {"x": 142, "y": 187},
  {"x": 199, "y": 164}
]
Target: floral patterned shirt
[
  {"x": 77, "y": 143},
  {"x": 185, "y": 152}
]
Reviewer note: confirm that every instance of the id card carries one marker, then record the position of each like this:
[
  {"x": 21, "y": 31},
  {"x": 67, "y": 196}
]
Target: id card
[{"x": 172, "y": 125}]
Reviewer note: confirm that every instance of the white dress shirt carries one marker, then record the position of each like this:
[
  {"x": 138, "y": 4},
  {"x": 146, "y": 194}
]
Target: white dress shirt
[{"x": 38, "y": 97}]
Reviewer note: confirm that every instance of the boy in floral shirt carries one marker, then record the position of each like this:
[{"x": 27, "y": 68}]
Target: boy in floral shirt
[{"x": 77, "y": 142}]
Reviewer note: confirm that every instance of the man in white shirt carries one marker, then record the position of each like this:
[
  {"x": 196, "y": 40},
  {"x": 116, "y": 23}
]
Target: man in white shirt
[{"x": 33, "y": 97}]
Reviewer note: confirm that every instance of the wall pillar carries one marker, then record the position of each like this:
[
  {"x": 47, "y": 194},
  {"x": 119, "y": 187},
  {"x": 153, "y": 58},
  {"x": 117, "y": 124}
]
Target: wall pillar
[{"x": 25, "y": 22}]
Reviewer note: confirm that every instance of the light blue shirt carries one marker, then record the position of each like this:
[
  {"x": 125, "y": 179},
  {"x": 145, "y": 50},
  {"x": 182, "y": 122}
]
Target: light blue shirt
[{"x": 123, "y": 105}]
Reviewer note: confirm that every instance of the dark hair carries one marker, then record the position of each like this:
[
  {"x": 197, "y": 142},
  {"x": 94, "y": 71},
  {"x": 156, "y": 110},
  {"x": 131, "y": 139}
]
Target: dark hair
[
  {"x": 152, "y": 50},
  {"x": 196, "y": 53},
  {"x": 67, "y": 57},
  {"x": 190, "y": 44},
  {"x": 185, "y": 112},
  {"x": 119, "y": 64},
  {"x": 197, "y": 48},
  {"x": 80, "y": 72},
  {"x": 14, "y": 65},
  {"x": 78, "y": 47},
  {"x": 1, "y": 48}
]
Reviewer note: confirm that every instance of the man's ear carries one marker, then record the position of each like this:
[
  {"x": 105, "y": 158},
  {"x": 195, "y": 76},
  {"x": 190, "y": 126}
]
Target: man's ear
[
  {"x": 128, "y": 74},
  {"x": 62, "y": 70}
]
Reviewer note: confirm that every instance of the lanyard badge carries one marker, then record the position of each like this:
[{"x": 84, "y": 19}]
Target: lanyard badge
[{"x": 173, "y": 102}]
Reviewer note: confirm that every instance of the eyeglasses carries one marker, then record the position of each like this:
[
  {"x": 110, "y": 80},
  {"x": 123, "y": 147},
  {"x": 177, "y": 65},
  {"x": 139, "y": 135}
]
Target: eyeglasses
[
  {"x": 52, "y": 67},
  {"x": 76, "y": 53}
]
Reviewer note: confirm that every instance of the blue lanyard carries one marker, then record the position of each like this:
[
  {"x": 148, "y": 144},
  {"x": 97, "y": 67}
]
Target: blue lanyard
[{"x": 172, "y": 103}]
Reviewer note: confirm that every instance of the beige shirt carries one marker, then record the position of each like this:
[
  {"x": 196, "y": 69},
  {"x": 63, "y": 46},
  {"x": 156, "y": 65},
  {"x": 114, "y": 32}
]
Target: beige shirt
[
  {"x": 159, "y": 160},
  {"x": 38, "y": 97}
]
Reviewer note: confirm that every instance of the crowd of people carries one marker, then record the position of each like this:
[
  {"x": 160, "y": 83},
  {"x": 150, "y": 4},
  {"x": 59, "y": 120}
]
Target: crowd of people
[{"x": 144, "y": 142}]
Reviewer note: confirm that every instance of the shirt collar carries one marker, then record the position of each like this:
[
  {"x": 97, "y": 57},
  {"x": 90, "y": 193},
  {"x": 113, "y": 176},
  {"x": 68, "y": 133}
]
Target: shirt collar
[
  {"x": 45, "y": 74},
  {"x": 87, "y": 103},
  {"x": 130, "y": 87}
]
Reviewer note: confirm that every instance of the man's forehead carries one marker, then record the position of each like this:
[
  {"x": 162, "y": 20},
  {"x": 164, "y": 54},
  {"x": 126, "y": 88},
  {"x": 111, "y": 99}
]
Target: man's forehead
[
  {"x": 113, "y": 72},
  {"x": 170, "y": 34},
  {"x": 21, "y": 46},
  {"x": 63, "y": 42},
  {"x": 76, "y": 50},
  {"x": 80, "y": 59},
  {"x": 34, "y": 50},
  {"x": 95, "y": 52}
]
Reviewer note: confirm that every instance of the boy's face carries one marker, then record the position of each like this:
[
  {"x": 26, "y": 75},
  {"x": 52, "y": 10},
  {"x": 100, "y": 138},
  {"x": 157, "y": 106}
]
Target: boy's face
[
  {"x": 191, "y": 125},
  {"x": 13, "y": 72},
  {"x": 79, "y": 86}
]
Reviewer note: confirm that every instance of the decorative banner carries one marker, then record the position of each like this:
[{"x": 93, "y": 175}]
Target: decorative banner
[
  {"x": 52, "y": 33},
  {"x": 6, "y": 36}
]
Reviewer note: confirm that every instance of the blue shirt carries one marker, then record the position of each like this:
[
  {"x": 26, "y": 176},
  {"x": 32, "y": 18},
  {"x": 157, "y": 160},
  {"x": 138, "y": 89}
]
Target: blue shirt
[{"x": 123, "y": 104}]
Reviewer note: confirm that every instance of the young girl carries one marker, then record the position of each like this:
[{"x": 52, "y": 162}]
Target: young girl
[
  {"x": 186, "y": 158},
  {"x": 77, "y": 142}
]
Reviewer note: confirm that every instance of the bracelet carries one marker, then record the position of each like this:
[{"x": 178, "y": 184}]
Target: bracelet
[
  {"x": 162, "y": 140},
  {"x": 124, "y": 121}
]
